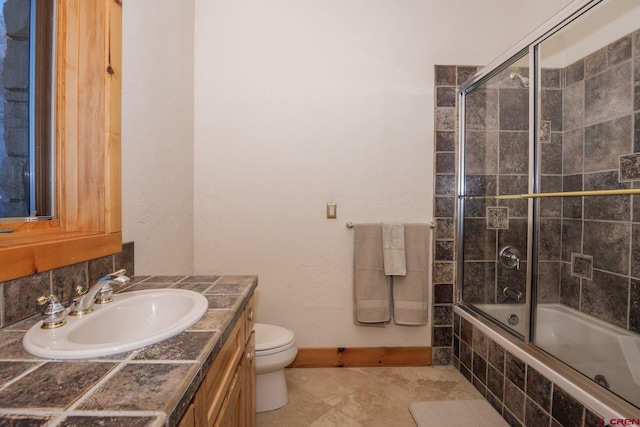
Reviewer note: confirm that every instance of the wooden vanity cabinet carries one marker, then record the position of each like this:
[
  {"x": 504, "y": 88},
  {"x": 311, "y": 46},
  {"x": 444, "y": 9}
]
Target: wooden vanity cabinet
[
  {"x": 226, "y": 397},
  {"x": 189, "y": 417},
  {"x": 250, "y": 379},
  {"x": 249, "y": 359}
]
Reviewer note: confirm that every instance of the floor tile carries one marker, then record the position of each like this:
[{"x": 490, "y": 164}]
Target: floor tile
[
  {"x": 335, "y": 418},
  {"x": 378, "y": 404},
  {"x": 327, "y": 397},
  {"x": 329, "y": 384},
  {"x": 302, "y": 409}
]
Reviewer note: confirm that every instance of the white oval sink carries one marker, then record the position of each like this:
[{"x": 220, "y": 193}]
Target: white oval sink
[{"x": 133, "y": 320}]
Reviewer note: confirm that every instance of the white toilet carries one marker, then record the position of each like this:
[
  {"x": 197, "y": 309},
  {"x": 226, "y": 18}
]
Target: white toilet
[{"x": 275, "y": 348}]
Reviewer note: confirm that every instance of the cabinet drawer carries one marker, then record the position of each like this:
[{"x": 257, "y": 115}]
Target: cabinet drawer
[
  {"x": 250, "y": 317},
  {"x": 213, "y": 389}
]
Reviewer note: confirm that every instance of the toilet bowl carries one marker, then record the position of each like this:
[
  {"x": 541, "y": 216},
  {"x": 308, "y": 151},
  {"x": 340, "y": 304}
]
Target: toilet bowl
[{"x": 275, "y": 349}]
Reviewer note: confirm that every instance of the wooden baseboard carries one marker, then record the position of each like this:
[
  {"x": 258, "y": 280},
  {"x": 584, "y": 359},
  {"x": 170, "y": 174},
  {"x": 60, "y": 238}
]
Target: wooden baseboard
[{"x": 361, "y": 357}]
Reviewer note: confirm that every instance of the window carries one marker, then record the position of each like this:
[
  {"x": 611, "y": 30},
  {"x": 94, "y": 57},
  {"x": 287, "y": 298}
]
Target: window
[
  {"x": 26, "y": 95},
  {"x": 87, "y": 147}
]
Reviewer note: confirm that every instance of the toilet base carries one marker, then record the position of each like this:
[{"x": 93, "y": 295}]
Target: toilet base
[{"x": 271, "y": 391}]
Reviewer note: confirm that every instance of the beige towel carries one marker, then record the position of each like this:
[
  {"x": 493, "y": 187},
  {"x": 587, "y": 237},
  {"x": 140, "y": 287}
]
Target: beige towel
[
  {"x": 372, "y": 299},
  {"x": 393, "y": 249},
  {"x": 411, "y": 293}
]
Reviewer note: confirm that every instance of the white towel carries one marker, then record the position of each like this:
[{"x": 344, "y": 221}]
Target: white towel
[
  {"x": 411, "y": 293},
  {"x": 372, "y": 292},
  {"x": 393, "y": 249}
]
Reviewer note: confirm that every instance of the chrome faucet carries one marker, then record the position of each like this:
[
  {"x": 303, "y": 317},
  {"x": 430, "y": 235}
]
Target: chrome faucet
[
  {"x": 100, "y": 292},
  {"x": 512, "y": 293},
  {"x": 510, "y": 257},
  {"x": 54, "y": 314}
]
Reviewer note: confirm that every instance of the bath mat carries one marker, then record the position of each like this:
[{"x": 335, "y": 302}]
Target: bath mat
[{"x": 477, "y": 413}]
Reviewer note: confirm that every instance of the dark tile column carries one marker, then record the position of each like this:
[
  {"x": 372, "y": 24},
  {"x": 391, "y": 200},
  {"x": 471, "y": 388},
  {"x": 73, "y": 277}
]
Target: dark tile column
[{"x": 447, "y": 80}]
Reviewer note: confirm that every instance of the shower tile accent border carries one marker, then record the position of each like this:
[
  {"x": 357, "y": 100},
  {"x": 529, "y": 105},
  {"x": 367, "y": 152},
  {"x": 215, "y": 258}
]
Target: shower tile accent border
[
  {"x": 18, "y": 296},
  {"x": 582, "y": 266},
  {"x": 498, "y": 218},
  {"x": 630, "y": 165}
]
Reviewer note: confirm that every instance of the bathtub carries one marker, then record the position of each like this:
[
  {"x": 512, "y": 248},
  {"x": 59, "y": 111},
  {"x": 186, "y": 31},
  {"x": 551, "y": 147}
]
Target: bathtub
[{"x": 604, "y": 353}]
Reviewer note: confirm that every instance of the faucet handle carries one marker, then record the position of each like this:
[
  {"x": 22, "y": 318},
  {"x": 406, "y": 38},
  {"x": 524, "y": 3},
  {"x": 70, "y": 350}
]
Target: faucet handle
[
  {"x": 42, "y": 300},
  {"x": 54, "y": 314},
  {"x": 510, "y": 257},
  {"x": 105, "y": 294}
]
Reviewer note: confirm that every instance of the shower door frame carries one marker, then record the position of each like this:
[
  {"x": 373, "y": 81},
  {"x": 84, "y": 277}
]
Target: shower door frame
[
  {"x": 477, "y": 80},
  {"x": 528, "y": 45}
]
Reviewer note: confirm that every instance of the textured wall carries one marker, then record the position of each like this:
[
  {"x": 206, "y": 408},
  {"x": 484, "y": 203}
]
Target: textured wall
[
  {"x": 299, "y": 103},
  {"x": 157, "y": 134}
]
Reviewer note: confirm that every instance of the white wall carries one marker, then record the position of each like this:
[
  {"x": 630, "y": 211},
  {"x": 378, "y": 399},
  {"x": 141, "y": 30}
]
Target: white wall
[
  {"x": 301, "y": 102},
  {"x": 297, "y": 103},
  {"x": 157, "y": 134},
  {"x": 595, "y": 29}
]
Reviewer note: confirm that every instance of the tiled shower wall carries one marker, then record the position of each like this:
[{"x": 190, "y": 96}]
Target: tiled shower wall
[
  {"x": 600, "y": 245},
  {"x": 517, "y": 391},
  {"x": 568, "y": 226},
  {"x": 497, "y": 163},
  {"x": 18, "y": 297},
  {"x": 589, "y": 139}
]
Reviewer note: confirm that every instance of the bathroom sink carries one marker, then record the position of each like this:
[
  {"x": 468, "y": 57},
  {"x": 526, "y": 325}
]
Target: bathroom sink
[{"x": 133, "y": 320}]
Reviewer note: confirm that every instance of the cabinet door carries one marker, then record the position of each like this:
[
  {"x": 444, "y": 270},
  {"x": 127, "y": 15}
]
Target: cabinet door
[
  {"x": 211, "y": 395},
  {"x": 250, "y": 380},
  {"x": 232, "y": 412},
  {"x": 250, "y": 317}
]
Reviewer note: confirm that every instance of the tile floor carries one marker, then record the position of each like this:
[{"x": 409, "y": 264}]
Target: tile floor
[{"x": 351, "y": 397}]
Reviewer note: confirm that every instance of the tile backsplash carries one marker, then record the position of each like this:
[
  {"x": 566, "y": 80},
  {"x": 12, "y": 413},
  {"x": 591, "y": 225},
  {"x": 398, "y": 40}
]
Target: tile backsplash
[{"x": 18, "y": 296}]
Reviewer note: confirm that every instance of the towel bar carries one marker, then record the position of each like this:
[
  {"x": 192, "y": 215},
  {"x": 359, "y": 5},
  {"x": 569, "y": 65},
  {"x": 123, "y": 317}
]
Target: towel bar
[{"x": 350, "y": 225}]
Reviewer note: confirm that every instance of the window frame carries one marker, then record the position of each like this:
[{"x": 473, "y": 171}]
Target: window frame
[{"x": 87, "y": 140}]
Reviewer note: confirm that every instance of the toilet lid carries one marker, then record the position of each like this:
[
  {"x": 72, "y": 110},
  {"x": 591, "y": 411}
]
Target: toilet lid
[{"x": 271, "y": 336}]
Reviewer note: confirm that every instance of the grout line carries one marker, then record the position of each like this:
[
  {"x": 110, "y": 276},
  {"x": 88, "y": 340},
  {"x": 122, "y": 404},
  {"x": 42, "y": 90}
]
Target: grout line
[
  {"x": 23, "y": 374},
  {"x": 97, "y": 385}
]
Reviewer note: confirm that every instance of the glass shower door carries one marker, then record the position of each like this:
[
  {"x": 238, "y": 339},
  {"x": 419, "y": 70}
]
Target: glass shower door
[
  {"x": 587, "y": 277},
  {"x": 495, "y": 168},
  {"x": 548, "y": 239}
]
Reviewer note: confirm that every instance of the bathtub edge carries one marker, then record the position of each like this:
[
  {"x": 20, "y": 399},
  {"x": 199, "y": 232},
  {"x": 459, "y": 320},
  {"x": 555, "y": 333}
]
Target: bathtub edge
[{"x": 570, "y": 381}]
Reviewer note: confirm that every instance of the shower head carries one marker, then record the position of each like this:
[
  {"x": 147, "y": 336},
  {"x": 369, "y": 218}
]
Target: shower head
[{"x": 523, "y": 80}]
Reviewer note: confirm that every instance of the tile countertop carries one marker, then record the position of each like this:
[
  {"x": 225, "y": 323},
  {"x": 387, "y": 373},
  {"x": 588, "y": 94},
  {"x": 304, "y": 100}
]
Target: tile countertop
[{"x": 150, "y": 386}]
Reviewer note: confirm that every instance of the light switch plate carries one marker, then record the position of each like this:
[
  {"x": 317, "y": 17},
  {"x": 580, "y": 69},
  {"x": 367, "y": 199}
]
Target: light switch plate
[{"x": 332, "y": 210}]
